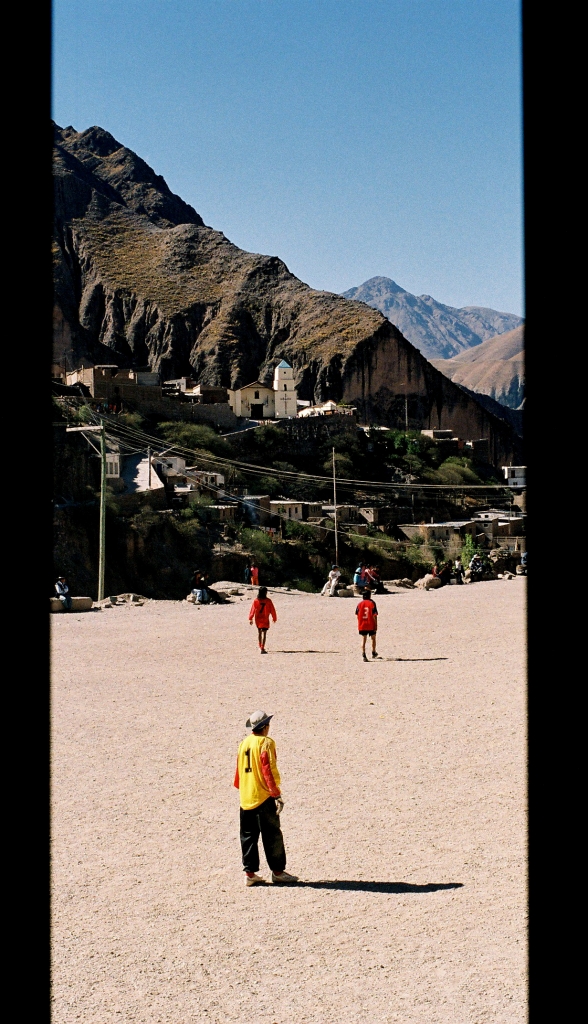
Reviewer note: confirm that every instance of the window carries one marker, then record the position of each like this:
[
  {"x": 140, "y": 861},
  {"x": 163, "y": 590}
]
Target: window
[
  {"x": 257, "y": 394},
  {"x": 285, "y": 387}
]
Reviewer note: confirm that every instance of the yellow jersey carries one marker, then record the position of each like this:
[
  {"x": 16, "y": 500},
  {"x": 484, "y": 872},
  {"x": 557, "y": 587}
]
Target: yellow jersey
[{"x": 257, "y": 776}]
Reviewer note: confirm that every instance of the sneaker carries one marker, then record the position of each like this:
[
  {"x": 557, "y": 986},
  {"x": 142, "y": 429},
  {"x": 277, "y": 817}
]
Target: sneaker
[
  {"x": 283, "y": 878},
  {"x": 364, "y": 656},
  {"x": 375, "y": 654},
  {"x": 263, "y": 651},
  {"x": 254, "y": 880}
]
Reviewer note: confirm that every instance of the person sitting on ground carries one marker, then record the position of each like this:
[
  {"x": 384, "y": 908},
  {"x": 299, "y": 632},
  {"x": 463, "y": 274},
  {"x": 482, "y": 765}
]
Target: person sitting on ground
[
  {"x": 373, "y": 580},
  {"x": 62, "y": 591},
  {"x": 332, "y": 582},
  {"x": 261, "y": 610},
  {"x": 367, "y": 622},
  {"x": 476, "y": 566},
  {"x": 199, "y": 588},
  {"x": 445, "y": 573},
  {"x": 359, "y": 579}
]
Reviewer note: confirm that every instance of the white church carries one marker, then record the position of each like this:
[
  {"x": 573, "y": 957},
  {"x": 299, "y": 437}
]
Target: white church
[{"x": 257, "y": 401}]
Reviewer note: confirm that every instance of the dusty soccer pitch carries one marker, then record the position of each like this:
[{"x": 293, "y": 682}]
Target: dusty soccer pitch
[{"x": 405, "y": 813}]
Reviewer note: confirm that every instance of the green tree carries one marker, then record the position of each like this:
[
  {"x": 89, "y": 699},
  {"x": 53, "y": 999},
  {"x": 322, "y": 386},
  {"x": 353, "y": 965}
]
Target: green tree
[{"x": 343, "y": 466}]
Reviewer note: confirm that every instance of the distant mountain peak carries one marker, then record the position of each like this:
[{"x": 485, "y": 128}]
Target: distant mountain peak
[{"x": 437, "y": 330}]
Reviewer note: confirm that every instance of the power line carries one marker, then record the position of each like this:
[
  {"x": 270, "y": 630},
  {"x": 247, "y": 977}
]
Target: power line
[{"x": 346, "y": 483}]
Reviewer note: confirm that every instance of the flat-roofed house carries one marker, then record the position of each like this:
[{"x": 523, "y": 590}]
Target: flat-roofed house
[{"x": 287, "y": 508}]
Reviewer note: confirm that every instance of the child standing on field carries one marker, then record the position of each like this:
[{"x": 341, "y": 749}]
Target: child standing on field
[
  {"x": 261, "y": 610},
  {"x": 258, "y": 780},
  {"x": 367, "y": 622}
]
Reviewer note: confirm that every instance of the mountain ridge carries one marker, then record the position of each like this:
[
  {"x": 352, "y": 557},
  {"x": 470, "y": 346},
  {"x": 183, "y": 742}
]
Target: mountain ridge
[
  {"x": 141, "y": 280},
  {"x": 495, "y": 368},
  {"x": 439, "y": 331}
]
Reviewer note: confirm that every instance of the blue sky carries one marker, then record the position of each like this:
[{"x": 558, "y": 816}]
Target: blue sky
[{"x": 351, "y": 138}]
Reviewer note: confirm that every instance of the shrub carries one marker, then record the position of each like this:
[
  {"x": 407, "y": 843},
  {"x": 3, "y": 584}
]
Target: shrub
[{"x": 131, "y": 419}]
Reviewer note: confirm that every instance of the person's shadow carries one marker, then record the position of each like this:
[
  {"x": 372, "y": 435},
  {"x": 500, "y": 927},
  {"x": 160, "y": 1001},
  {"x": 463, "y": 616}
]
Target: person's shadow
[{"x": 395, "y": 888}]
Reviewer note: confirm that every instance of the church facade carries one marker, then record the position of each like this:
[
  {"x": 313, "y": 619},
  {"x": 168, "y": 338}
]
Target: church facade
[{"x": 257, "y": 401}]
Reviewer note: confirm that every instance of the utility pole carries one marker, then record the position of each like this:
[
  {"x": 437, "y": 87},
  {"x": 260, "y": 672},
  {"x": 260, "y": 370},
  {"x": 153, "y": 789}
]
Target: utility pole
[
  {"x": 102, "y": 531},
  {"x": 335, "y": 508},
  {"x": 101, "y": 550},
  {"x": 149, "y": 461},
  {"x": 405, "y": 413}
]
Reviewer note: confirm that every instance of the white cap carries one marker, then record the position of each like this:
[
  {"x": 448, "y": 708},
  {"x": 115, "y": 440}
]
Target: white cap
[{"x": 258, "y": 720}]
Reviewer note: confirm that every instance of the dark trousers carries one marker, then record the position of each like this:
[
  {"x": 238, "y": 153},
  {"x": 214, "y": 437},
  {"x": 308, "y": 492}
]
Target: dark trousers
[{"x": 262, "y": 820}]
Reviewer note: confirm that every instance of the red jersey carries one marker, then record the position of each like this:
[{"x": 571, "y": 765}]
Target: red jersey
[
  {"x": 262, "y": 610},
  {"x": 367, "y": 612}
]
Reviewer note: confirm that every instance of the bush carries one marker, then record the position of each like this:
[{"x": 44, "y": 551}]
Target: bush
[
  {"x": 194, "y": 436},
  {"x": 343, "y": 466},
  {"x": 131, "y": 419}
]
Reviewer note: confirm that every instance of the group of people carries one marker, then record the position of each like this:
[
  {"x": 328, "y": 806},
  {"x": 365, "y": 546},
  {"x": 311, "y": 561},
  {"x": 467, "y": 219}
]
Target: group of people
[
  {"x": 251, "y": 575},
  {"x": 257, "y": 777},
  {"x": 449, "y": 570},
  {"x": 365, "y": 577},
  {"x": 263, "y": 610}
]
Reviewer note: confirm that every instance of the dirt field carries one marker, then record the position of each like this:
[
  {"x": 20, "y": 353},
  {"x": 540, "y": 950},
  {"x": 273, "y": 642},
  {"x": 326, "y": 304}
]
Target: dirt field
[{"x": 404, "y": 782}]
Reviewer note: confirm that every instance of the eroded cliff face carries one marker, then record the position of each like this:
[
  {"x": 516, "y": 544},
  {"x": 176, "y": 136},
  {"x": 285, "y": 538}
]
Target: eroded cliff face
[{"x": 141, "y": 280}]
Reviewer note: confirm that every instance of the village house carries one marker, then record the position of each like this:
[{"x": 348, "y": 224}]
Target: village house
[
  {"x": 501, "y": 529},
  {"x": 311, "y": 510},
  {"x": 327, "y": 409},
  {"x": 108, "y": 382},
  {"x": 222, "y": 513},
  {"x": 257, "y": 508},
  {"x": 442, "y": 533},
  {"x": 187, "y": 390},
  {"x": 287, "y": 508},
  {"x": 515, "y": 476},
  {"x": 206, "y": 479}
]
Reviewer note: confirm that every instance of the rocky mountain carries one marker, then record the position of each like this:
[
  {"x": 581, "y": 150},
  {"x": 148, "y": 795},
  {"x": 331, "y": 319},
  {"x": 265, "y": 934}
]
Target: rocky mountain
[
  {"x": 140, "y": 280},
  {"x": 495, "y": 368},
  {"x": 437, "y": 330}
]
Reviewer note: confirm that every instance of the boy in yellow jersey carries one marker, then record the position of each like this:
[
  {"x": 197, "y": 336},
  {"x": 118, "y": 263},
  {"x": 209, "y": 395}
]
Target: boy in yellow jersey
[{"x": 258, "y": 780}]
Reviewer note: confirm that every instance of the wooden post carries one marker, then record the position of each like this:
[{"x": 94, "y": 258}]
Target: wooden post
[
  {"x": 335, "y": 507},
  {"x": 102, "y": 542}
]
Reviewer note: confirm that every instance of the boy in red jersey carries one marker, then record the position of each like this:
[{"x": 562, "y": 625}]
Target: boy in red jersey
[
  {"x": 367, "y": 622},
  {"x": 261, "y": 609}
]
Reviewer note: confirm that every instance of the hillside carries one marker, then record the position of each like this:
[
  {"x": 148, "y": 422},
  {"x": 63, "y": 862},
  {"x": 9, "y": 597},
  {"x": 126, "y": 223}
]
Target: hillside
[
  {"x": 140, "y": 280},
  {"x": 437, "y": 330},
  {"x": 495, "y": 368}
]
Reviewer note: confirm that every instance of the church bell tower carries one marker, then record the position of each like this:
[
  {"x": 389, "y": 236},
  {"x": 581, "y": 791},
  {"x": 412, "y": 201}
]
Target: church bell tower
[{"x": 286, "y": 393}]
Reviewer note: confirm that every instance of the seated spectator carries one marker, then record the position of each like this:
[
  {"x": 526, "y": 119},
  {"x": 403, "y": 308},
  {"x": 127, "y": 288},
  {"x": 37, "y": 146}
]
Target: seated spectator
[
  {"x": 62, "y": 591},
  {"x": 445, "y": 573},
  {"x": 199, "y": 588}
]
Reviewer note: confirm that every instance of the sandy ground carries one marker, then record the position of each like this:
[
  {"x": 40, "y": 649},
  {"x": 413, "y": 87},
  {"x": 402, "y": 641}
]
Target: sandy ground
[{"x": 404, "y": 782}]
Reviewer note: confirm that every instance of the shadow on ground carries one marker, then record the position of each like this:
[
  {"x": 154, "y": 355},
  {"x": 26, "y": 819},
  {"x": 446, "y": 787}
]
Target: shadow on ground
[
  {"x": 304, "y": 652},
  {"x": 389, "y": 887}
]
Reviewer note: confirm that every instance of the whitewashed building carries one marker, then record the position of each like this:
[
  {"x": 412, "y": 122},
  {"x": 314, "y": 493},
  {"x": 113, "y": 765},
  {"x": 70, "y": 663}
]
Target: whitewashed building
[{"x": 515, "y": 476}]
